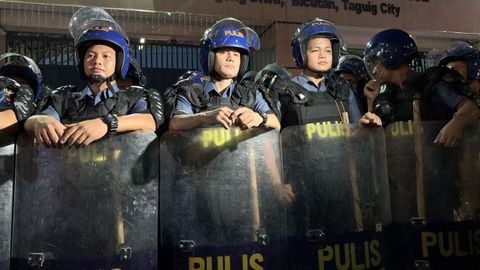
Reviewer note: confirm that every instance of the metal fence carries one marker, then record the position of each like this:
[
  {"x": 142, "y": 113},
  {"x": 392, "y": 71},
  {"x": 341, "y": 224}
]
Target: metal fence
[{"x": 55, "y": 55}]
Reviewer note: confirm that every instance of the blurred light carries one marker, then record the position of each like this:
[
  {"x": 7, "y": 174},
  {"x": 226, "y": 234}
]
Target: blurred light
[{"x": 142, "y": 40}]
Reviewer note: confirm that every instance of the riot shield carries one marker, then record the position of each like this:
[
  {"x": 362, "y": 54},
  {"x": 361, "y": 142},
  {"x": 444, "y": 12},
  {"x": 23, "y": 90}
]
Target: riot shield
[
  {"x": 7, "y": 148},
  {"x": 222, "y": 200},
  {"x": 339, "y": 179},
  {"x": 91, "y": 208},
  {"x": 434, "y": 194}
]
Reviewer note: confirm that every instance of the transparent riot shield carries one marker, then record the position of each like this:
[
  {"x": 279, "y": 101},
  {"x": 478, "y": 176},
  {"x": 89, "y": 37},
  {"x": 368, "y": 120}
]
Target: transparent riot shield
[
  {"x": 91, "y": 208},
  {"x": 339, "y": 178},
  {"x": 7, "y": 148},
  {"x": 434, "y": 194},
  {"x": 222, "y": 200}
]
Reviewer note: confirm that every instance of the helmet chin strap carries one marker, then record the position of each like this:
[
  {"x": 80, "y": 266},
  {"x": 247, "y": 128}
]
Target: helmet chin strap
[
  {"x": 96, "y": 79},
  {"x": 320, "y": 73},
  {"x": 99, "y": 79}
]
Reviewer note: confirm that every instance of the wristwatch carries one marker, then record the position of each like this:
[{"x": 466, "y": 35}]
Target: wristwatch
[
  {"x": 264, "y": 116},
  {"x": 112, "y": 122}
]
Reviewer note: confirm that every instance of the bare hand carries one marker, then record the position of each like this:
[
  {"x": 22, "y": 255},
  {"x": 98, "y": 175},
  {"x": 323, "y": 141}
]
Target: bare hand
[
  {"x": 371, "y": 119},
  {"x": 285, "y": 193},
  {"x": 83, "y": 133},
  {"x": 222, "y": 116},
  {"x": 47, "y": 130},
  {"x": 246, "y": 118},
  {"x": 450, "y": 135}
]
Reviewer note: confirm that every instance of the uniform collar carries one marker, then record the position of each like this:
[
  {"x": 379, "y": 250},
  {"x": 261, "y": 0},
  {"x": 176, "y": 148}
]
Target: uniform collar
[
  {"x": 209, "y": 88},
  {"x": 303, "y": 80},
  {"x": 102, "y": 95}
]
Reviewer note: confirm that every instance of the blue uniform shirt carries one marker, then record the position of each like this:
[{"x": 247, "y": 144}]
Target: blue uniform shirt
[
  {"x": 139, "y": 107},
  {"x": 353, "y": 110},
  {"x": 185, "y": 106},
  {"x": 446, "y": 99}
]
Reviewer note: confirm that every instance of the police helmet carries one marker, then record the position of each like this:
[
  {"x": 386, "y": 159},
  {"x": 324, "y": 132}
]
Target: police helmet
[
  {"x": 13, "y": 64},
  {"x": 227, "y": 33},
  {"x": 312, "y": 29},
  {"x": 354, "y": 65},
  {"x": 196, "y": 76},
  {"x": 185, "y": 75},
  {"x": 91, "y": 26},
  {"x": 391, "y": 47},
  {"x": 433, "y": 57},
  {"x": 461, "y": 50},
  {"x": 135, "y": 71}
]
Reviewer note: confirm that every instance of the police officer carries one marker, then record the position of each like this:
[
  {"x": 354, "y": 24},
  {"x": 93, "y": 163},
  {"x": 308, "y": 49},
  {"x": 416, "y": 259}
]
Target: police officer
[
  {"x": 352, "y": 68},
  {"x": 20, "y": 88},
  {"x": 81, "y": 117},
  {"x": 465, "y": 59},
  {"x": 134, "y": 76},
  {"x": 387, "y": 57},
  {"x": 317, "y": 95},
  {"x": 224, "y": 99}
]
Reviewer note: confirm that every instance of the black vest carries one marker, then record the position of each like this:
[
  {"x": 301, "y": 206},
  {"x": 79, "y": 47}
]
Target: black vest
[
  {"x": 310, "y": 107},
  {"x": 73, "y": 107},
  {"x": 243, "y": 95}
]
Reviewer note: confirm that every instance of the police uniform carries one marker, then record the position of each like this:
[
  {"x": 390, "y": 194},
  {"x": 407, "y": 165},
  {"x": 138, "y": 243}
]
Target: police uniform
[
  {"x": 69, "y": 106},
  {"x": 302, "y": 102},
  {"x": 197, "y": 98},
  {"x": 439, "y": 98},
  {"x": 445, "y": 100}
]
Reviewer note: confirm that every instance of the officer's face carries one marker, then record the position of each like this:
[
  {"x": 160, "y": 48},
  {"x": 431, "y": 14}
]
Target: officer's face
[
  {"x": 460, "y": 66},
  {"x": 227, "y": 62},
  {"x": 99, "y": 60},
  {"x": 319, "y": 54}
]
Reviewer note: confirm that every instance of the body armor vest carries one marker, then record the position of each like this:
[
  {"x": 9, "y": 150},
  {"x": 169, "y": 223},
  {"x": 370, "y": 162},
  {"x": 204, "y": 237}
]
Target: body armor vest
[
  {"x": 310, "y": 107},
  {"x": 244, "y": 95},
  {"x": 72, "y": 107}
]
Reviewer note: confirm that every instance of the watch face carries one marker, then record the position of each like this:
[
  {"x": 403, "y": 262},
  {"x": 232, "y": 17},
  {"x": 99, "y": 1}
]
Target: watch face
[
  {"x": 110, "y": 118},
  {"x": 112, "y": 122}
]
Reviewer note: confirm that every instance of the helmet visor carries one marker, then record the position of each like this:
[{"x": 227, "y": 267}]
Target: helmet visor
[
  {"x": 374, "y": 65},
  {"x": 92, "y": 17}
]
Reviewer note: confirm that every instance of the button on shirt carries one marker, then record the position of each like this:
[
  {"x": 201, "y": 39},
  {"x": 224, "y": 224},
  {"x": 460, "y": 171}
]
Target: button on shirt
[
  {"x": 139, "y": 107},
  {"x": 185, "y": 106},
  {"x": 353, "y": 110}
]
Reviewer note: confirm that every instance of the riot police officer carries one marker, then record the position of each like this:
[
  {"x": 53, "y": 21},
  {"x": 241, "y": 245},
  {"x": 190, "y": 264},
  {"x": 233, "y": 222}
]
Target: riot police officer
[
  {"x": 387, "y": 57},
  {"x": 134, "y": 76},
  {"x": 21, "y": 87},
  {"x": 78, "y": 118},
  {"x": 352, "y": 68},
  {"x": 224, "y": 99},
  {"x": 465, "y": 59},
  {"x": 317, "y": 95}
]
